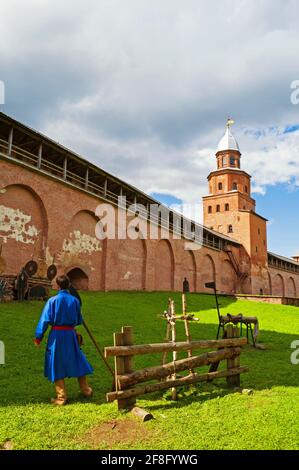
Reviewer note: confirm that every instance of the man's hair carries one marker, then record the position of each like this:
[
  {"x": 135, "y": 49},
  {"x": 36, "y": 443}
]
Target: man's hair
[{"x": 63, "y": 282}]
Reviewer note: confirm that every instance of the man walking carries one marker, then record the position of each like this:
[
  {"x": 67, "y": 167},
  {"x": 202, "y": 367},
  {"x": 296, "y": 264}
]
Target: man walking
[{"x": 63, "y": 357}]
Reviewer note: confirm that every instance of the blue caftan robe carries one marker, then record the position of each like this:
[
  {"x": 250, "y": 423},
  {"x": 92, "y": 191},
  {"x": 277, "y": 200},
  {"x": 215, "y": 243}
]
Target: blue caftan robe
[{"x": 63, "y": 357}]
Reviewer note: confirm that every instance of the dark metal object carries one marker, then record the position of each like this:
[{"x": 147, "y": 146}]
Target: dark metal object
[
  {"x": 232, "y": 319},
  {"x": 37, "y": 293},
  {"x": 31, "y": 268},
  {"x": 51, "y": 272}
]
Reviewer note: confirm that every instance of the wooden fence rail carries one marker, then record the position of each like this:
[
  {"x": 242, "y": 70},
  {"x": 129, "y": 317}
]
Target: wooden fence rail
[{"x": 129, "y": 382}]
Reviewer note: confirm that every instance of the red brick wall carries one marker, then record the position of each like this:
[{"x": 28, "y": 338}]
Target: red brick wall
[{"x": 61, "y": 222}]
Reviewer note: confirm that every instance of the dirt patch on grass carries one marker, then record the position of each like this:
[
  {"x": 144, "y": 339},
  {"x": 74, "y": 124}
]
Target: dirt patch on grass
[{"x": 117, "y": 432}]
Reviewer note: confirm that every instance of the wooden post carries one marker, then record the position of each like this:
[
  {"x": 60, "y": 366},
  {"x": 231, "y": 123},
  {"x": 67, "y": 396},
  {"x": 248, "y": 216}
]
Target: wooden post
[
  {"x": 127, "y": 332},
  {"x": 119, "y": 366},
  {"x": 167, "y": 336},
  {"x": 174, "y": 353},
  {"x": 86, "y": 178},
  {"x": 186, "y": 323},
  {"x": 142, "y": 414},
  {"x": 232, "y": 331},
  {"x": 164, "y": 355},
  {"x": 105, "y": 187},
  {"x": 40, "y": 155},
  {"x": 10, "y": 141},
  {"x": 65, "y": 168}
]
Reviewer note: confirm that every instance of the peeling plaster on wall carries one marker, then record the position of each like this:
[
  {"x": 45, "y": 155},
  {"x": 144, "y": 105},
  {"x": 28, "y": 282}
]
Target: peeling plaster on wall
[
  {"x": 49, "y": 257},
  {"x": 127, "y": 275},
  {"x": 81, "y": 243},
  {"x": 15, "y": 224},
  {"x": 76, "y": 245}
]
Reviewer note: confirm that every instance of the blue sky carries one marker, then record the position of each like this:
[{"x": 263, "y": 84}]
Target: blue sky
[
  {"x": 280, "y": 206},
  {"x": 144, "y": 91}
]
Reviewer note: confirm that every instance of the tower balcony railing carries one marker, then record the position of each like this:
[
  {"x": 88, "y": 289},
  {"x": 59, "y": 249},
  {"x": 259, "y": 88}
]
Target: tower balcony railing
[{"x": 197, "y": 233}]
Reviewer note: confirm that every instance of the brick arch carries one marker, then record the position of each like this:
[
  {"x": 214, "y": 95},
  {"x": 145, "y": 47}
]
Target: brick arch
[
  {"x": 291, "y": 290},
  {"x": 208, "y": 269},
  {"x": 24, "y": 226},
  {"x": 82, "y": 250},
  {"x": 188, "y": 269},
  {"x": 228, "y": 277},
  {"x": 131, "y": 264},
  {"x": 278, "y": 286},
  {"x": 164, "y": 266},
  {"x": 269, "y": 284}
]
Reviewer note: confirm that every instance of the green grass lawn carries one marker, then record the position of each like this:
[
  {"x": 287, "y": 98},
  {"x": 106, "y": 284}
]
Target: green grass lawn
[{"x": 207, "y": 416}]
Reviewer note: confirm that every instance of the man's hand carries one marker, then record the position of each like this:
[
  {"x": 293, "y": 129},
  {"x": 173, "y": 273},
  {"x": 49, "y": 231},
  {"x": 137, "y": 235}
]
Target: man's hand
[{"x": 37, "y": 342}]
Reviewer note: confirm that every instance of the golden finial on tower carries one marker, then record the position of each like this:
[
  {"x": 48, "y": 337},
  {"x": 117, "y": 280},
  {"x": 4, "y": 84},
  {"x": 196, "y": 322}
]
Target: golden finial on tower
[{"x": 229, "y": 122}]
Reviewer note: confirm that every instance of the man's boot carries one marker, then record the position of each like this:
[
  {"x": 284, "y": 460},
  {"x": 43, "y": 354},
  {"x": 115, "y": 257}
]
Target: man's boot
[
  {"x": 60, "y": 393},
  {"x": 85, "y": 389}
]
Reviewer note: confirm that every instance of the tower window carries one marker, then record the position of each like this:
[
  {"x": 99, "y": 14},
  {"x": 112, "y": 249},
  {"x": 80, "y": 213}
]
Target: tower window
[
  {"x": 259, "y": 231},
  {"x": 220, "y": 186},
  {"x": 235, "y": 186},
  {"x": 246, "y": 189},
  {"x": 256, "y": 249},
  {"x": 210, "y": 209},
  {"x": 225, "y": 160},
  {"x": 218, "y": 208},
  {"x": 230, "y": 229},
  {"x": 232, "y": 161},
  {"x": 227, "y": 207}
]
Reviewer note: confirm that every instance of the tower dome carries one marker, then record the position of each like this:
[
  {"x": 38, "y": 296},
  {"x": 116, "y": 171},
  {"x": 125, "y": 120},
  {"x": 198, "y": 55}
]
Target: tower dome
[{"x": 228, "y": 141}]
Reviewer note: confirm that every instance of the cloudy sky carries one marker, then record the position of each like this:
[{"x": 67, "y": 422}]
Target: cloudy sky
[{"x": 143, "y": 88}]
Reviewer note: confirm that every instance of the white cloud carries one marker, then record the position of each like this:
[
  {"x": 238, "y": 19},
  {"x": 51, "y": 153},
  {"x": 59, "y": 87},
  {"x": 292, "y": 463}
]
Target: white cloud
[{"x": 143, "y": 87}]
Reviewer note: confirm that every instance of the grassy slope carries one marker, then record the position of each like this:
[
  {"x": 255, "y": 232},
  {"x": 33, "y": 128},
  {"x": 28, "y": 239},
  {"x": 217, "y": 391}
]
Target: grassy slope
[{"x": 206, "y": 417}]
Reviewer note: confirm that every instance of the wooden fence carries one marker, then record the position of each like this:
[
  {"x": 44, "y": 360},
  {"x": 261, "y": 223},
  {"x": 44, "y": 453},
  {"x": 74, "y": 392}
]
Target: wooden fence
[{"x": 130, "y": 382}]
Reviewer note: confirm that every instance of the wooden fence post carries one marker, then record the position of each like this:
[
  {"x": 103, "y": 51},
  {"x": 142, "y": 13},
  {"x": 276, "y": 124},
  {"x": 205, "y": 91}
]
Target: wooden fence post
[
  {"x": 232, "y": 331},
  {"x": 124, "y": 365},
  {"x": 174, "y": 353},
  {"x": 118, "y": 366},
  {"x": 128, "y": 340}
]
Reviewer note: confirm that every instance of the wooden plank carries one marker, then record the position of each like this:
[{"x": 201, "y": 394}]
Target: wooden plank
[
  {"x": 174, "y": 353},
  {"x": 169, "y": 347},
  {"x": 142, "y": 414},
  {"x": 186, "y": 324},
  {"x": 40, "y": 155},
  {"x": 127, "y": 332},
  {"x": 232, "y": 363},
  {"x": 190, "y": 379},
  {"x": 119, "y": 367},
  {"x": 162, "y": 371},
  {"x": 10, "y": 141}
]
